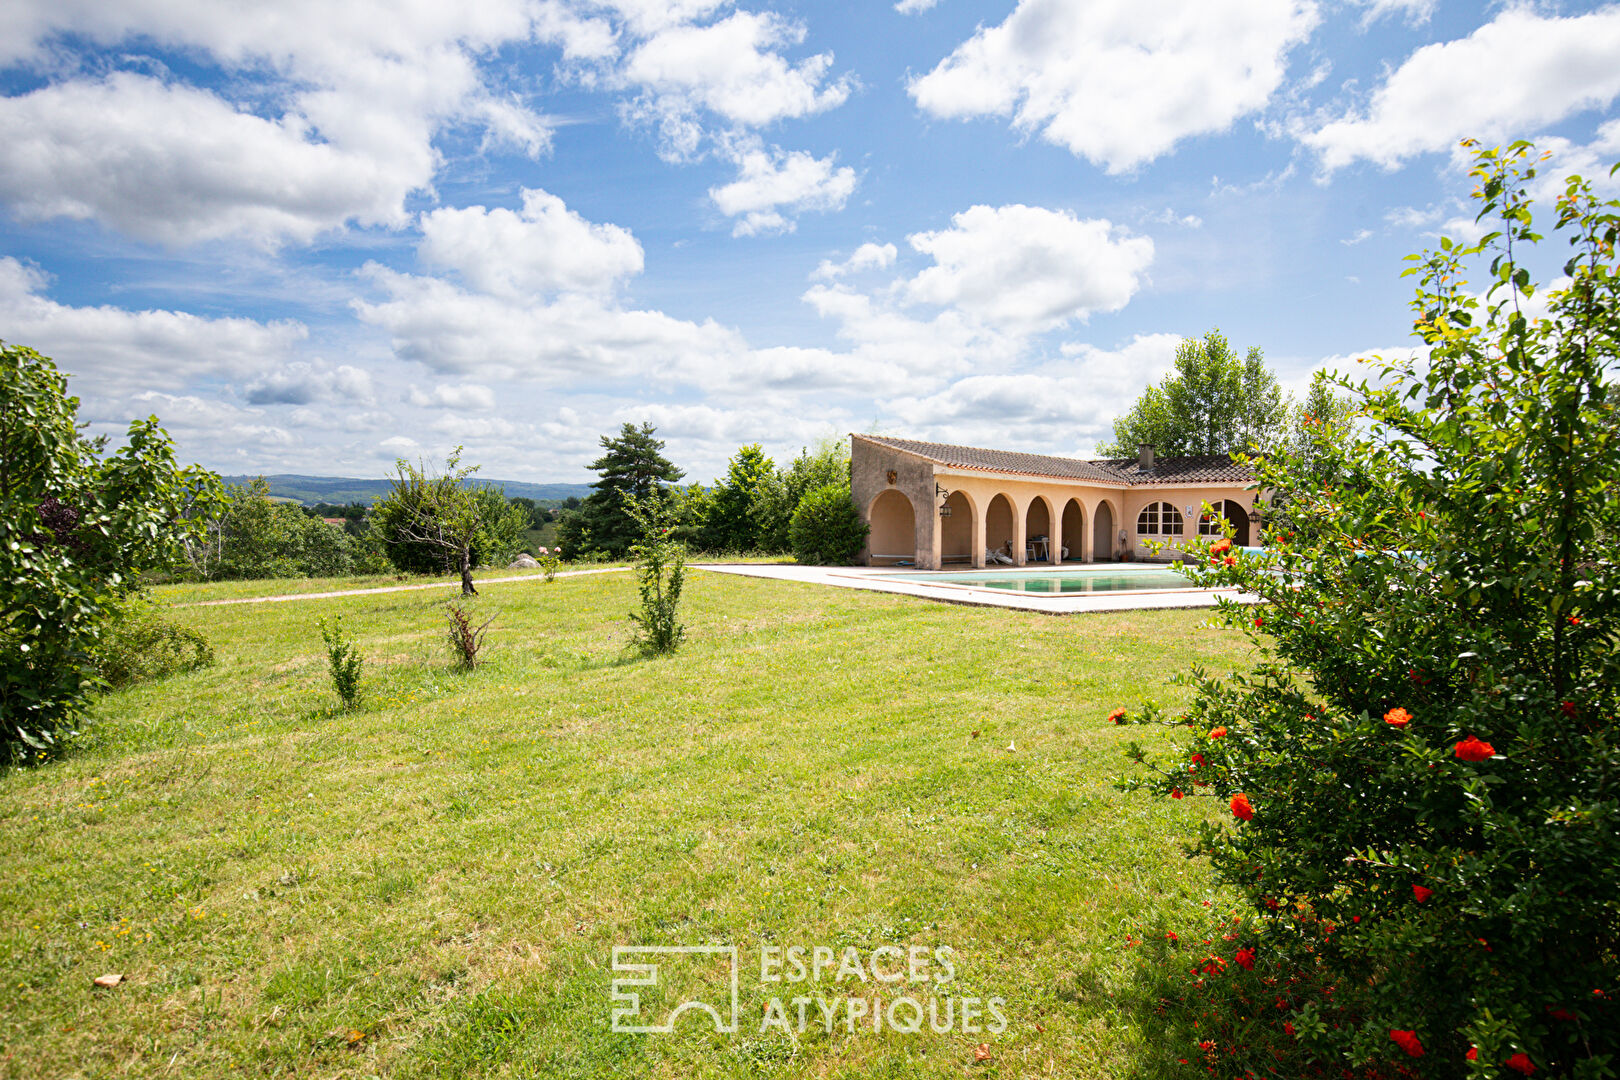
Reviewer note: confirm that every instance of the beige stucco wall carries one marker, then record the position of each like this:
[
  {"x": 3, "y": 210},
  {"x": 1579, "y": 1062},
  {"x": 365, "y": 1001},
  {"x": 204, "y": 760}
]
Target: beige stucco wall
[{"x": 974, "y": 491}]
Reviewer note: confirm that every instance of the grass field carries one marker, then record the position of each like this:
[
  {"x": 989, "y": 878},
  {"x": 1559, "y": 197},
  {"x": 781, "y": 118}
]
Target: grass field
[{"x": 433, "y": 885}]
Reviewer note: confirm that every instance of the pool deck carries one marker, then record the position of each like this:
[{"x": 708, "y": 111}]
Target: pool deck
[{"x": 883, "y": 580}]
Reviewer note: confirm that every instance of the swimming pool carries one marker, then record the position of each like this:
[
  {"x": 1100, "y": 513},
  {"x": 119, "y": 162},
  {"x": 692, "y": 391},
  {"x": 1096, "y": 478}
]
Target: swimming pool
[{"x": 1055, "y": 581}]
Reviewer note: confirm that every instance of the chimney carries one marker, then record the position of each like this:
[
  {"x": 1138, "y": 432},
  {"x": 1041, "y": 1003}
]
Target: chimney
[{"x": 1144, "y": 456}]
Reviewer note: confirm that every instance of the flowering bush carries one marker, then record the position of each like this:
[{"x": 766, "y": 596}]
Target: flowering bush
[{"x": 1423, "y": 768}]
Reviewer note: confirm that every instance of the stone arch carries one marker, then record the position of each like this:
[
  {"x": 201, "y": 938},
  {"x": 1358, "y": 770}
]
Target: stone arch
[
  {"x": 999, "y": 525},
  {"x": 1238, "y": 515},
  {"x": 1039, "y": 520},
  {"x": 894, "y": 528},
  {"x": 956, "y": 536},
  {"x": 1103, "y": 521},
  {"x": 1072, "y": 531}
]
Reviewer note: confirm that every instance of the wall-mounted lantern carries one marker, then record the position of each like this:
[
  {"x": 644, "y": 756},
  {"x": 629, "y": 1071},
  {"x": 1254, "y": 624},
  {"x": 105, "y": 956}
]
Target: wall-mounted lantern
[
  {"x": 1254, "y": 512},
  {"x": 941, "y": 494}
]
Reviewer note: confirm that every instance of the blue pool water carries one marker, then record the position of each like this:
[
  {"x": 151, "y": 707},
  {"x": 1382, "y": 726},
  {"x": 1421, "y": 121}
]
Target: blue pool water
[{"x": 1057, "y": 581}]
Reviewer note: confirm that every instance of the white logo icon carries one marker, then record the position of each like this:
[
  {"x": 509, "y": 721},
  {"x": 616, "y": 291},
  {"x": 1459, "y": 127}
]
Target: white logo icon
[{"x": 628, "y": 1000}]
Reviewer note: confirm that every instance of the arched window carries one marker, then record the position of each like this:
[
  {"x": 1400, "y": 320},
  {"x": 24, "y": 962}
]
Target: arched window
[{"x": 1158, "y": 519}]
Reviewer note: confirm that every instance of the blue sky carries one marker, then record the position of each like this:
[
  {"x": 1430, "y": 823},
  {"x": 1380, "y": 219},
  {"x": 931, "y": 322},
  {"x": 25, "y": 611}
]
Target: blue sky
[{"x": 314, "y": 237}]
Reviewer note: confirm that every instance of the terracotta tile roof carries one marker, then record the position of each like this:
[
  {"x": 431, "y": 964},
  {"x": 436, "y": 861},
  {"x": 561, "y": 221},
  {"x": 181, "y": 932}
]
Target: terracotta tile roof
[
  {"x": 1191, "y": 469},
  {"x": 1208, "y": 469}
]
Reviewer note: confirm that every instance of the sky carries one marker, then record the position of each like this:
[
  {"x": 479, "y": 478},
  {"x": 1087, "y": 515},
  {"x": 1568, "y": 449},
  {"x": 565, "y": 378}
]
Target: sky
[{"x": 315, "y": 237}]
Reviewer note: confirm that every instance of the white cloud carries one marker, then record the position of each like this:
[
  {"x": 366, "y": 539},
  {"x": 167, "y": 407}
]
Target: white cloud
[
  {"x": 452, "y": 330},
  {"x": 1357, "y": 237},
  {"x": 581, "y": 38},
  {"x": 544, "y": 248},
  {"x": 1027, "y": 268},
  {"x": 866, "y": 257},
  {"x": 770, "y": 181},
  {"x": 302, "y": 383},
  {"x": 1119, "y": 82},
  {"x": 1167, "y": 216},
  {"x": 732, "y": 69},
  {"x": 1515, "y": 73},
  {"x": 457, "y": 396},
  {"x": 178, "y": 165},
  {"x": 360, "y": 90},
  {"x": 115, "y": 352},
  {"x": 1062, "y": 409},
  {"x": 1414, "y": 12},
  {"x": 912, "y": 7}
]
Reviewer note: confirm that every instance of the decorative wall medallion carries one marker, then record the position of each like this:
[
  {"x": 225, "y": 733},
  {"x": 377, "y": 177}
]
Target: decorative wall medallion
[{"x": 892, "y": 475}]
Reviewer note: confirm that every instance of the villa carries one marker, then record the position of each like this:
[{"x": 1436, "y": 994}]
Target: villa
[{"x": 930, "y": 504}]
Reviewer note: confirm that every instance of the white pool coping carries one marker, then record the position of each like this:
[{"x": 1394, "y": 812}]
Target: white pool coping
[{"x": 881, "y": 579}]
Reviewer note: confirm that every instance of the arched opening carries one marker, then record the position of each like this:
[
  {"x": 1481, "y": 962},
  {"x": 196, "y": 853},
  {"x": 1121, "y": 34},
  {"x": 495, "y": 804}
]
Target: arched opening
[
  {"x": 1234, "y": 512},
  {"x": 1074, "y": 531},
  {"x": 998, "y": 526},
  {"x": 1038, "y": 530},
  {"x": 1102, "y": 534},
  {"x": 956, "y": 529},
  {"x": 894, "y": 529}
]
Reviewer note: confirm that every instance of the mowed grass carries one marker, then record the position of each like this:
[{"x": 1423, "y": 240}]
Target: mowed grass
[{"x": 433, "y": 885}]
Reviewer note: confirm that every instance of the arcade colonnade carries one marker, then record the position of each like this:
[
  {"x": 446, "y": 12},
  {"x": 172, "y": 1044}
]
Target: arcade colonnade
[{"x": 934, "y": 514}]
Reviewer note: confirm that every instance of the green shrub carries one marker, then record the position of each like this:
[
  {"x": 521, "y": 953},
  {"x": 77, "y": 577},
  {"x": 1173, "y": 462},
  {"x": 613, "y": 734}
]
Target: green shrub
[
  {"x": 661, "y": 574},
  {"x": 778, "y": 492},
  {"x": 826, "y": 529},
  {"x": 1420, "y": 780},
  {"x": 251, "y": 536},
  {"x": 401, "y": 518},
  {"x": 138, "y": 644},
  {"x": 466, "y": 636},
  {"x": 78, "y": 526},
  {"x": 344, "y": 660}
]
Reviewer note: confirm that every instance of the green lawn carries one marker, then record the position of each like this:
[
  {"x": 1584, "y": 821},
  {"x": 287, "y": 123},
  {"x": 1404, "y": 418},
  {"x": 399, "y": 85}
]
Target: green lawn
[{"x": 433, "y": 885}]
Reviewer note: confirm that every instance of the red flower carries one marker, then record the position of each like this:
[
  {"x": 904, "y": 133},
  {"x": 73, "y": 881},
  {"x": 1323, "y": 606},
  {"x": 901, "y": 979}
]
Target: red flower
[
  {"x": 1471, "y": 749},
  {"x": 1397, "y": 718},
  {"x": 1408, "y": 1041},
  {"x": 1197, "y": 759},
  {"x": 1421, "y": 893},
  {"x": 1230, "y": 560},
  {"x": 1217, "y": 733},
  {"x": 1220, "y": 547},
  {"x": 1288, "y": 1027},
  {"x": 1117, "y": 716},
  {"x": 1259, "y": 622},
  {"x": 1520, "y": 1063},
  {"x": 1175, "y": 793},
  {"x": 1244, "y": 959},
  {"x": 1569, "y": 708},
  {"x": 1241, "y": 807},
  {"x": 1473, "y": 1053},
  {"x": 1206, "y": 1046},
  {"x": 1574, "y": 620}
]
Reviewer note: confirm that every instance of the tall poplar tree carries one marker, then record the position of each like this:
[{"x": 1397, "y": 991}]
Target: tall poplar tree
[{"x": 1213, "y": 403}]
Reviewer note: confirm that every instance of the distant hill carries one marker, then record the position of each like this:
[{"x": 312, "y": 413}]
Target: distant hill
[{"x": 347, "y": 489}]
